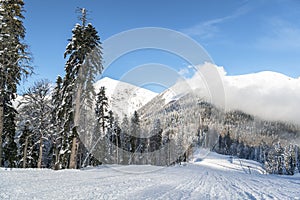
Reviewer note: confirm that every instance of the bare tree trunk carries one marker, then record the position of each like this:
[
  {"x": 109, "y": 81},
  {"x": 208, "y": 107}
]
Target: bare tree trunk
[
  {"x": 76, "y": 120},
  {"x": 73, "y": 154},
  {"x": 1, "y": 127},
  {"x": 117, "y": 149},
  {"x": 40, "y": 153},
  {"x": 25, "y": 153},
  {"x": 296, "y": 158}
]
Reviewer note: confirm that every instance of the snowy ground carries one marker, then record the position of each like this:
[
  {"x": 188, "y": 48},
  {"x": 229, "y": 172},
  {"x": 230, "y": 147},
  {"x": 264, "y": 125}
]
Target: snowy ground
[{"x": 213, "y": 177}]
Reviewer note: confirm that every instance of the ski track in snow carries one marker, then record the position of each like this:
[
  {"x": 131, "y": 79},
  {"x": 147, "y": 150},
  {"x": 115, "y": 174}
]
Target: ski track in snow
[{"x": 212, "y": 178}]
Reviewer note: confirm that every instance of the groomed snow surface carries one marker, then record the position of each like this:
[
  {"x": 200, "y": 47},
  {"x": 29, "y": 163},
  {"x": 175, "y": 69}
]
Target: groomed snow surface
[{"x": 211, "y": 177}]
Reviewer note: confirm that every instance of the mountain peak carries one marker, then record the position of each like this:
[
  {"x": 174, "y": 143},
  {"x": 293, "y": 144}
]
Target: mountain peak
[{"x": 124, "y": 98}]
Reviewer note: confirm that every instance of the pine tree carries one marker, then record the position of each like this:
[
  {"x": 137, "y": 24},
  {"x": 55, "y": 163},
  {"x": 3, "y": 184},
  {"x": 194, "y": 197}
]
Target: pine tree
[
  {"x": 290, "y": 160},
  {"x": 14, "y": 62},
  {"x": 100, "y": 141},
  {"x": 135, "y": 131},
  {"x": 135, "y": 140},
  {"x": 83, "y": 64},
  {"x": 125, "y": 138},
  {"x": 117, "y": 139},
  {"x": 101, "y": 110},
  {"x": 156, "y": 141},
  {"x": 9, "y": 130},
  {"x": 110, "y": 137},
  {"x": 56, "y": 121}
]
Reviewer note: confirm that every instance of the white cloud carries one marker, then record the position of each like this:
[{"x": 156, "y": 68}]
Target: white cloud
[
  {"x": 183, "y": 71},
  {"x": 208, "y": 29},
  {"x": 268, "y": 95}
]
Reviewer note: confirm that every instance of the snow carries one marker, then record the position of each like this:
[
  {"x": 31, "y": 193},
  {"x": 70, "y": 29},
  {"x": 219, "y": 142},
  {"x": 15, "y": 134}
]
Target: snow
[
  {"x": 211, "y": 176},
  {"x": 124, "y": 98}
]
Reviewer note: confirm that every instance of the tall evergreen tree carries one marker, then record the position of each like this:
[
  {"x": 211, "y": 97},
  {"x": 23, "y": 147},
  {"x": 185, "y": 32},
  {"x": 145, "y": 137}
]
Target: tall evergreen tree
[
  {"x": 135, "y": 140},
  {"x": 125, "y": 138},
  {"x": 9, "y": 130},
  {"x": 14, "y": 62},
  {"x": 56, "y": 121},
  {"x": 100, "y": 141},
  {"x": 135, "y": 131},
  {"x": 83, "y": 64},
  {"x": 110, "y": 137}
]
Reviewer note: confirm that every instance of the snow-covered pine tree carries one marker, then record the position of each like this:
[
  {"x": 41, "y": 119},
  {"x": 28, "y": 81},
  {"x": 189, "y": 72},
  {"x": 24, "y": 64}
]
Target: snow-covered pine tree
[
  {"x": 135, "y": 140},
  {"x": 117, "y": 140},
  {"x": 83, "y": 64},
  {"x": 110, "y": 137},
  {"x": 125, "y": 138},
  {"x": 290, "y": 159},
  {"x": 156, "y": 142},
  {"x": 101, "y": 111},
  {"x": 279, "y": 158},
  {"x": 56, "y": 123},
  {"x": 35, "y": 108},
  {"x": 14, "y": 62},
  {"x": 9, "y": 130},
  {"x": 100, "y": 140},
  {"x": 135, "y": 131}
]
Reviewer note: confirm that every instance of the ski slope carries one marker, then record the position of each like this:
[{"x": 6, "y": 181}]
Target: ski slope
[{"x": 213, "y": 177}]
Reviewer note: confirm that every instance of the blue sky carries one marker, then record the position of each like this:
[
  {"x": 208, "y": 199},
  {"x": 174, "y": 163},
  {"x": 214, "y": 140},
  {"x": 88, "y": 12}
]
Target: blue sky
[{"x": 242, "y": 36}]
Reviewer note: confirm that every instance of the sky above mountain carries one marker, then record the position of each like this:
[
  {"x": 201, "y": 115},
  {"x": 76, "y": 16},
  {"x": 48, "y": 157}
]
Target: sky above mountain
[{"x": 243, "y": 36}]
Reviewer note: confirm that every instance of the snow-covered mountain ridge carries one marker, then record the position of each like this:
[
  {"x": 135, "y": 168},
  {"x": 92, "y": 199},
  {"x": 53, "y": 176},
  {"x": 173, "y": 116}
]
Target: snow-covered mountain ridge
[
  {"x": 124, "y": 98},
  {"x": 267, "y": 95}
]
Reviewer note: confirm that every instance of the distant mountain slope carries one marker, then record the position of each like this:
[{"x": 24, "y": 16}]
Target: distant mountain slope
[
  {"x": 260, "y": 107},
  {"x": 124, "y": 98},
  {"x": 267, "y": 95}
]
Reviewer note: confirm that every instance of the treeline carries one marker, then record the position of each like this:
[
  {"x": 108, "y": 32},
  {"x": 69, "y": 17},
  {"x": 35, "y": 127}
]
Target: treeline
[
  {"x": 198, "y": 123},
  {"x": 41, "y": 143},
  {"x": 276, "y": 159}
]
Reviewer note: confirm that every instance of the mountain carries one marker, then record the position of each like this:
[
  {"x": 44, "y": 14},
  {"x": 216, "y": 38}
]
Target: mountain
[
  {"x": 124, "y": 98},
  {"x": 268, "y": 95},
  {"x": 261, "y": 108}
]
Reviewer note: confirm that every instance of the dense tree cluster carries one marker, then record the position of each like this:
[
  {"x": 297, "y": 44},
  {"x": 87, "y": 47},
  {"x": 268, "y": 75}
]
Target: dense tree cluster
[
  {"x": 193, "y": 122},
  {"x": 276, "y": 159}
]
